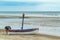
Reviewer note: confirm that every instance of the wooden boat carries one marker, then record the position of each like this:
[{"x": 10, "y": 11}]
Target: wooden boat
[
  {"x": 21, "y": 31},
  {"x": 25, "y": 31}
]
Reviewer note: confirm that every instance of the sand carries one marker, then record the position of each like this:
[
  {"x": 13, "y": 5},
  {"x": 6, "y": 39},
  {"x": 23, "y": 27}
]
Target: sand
[{"x": 26, "y": 37}]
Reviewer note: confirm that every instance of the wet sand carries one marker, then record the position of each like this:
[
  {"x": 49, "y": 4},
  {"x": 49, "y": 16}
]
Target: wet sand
[{"x": 26, "y": 37}]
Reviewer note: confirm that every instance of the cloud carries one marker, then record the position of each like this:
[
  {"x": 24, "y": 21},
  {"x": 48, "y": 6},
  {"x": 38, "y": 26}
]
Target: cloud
[
  {"x": 19, "y": 3},
  {"x": 33, "y": 0},
  {"x": 29, "y": 6},
  {"x": 43, "y": 7},
  {"x": 11, "y": 0}
]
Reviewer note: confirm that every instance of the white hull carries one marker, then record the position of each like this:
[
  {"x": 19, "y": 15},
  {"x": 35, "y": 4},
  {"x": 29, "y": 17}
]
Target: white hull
[{"x": 32, "y": 32}]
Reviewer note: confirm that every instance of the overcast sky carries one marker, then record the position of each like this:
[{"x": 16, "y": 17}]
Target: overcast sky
[{"x": 29, "y": 5}]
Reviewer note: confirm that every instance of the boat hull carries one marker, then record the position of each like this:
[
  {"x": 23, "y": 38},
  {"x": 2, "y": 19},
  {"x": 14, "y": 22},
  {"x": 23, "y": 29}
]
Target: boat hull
[
  {"x": 26, "y": 31},
  {"x": 32, "y": 32}
]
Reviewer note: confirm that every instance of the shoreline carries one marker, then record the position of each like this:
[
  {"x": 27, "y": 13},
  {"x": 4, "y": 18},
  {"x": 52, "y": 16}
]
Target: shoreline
[
  {"x": 2, "y": 32},
  {"x": 27, "y": 37},
  {"x": 30, "y": 17}
]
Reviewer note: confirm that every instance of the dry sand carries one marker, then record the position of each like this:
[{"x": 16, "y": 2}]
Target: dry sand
[{"x": 26, "y": 37}]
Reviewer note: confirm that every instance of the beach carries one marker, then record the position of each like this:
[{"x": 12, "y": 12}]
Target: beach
[
  {"x": 26, "y": 37},
  {"x": 47, "y": 26}
]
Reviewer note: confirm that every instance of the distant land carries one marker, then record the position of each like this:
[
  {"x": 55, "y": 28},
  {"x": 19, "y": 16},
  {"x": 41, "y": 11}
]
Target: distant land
[
  {"x": 29, "y": 11},
  {"x": 41, "y": 14}
]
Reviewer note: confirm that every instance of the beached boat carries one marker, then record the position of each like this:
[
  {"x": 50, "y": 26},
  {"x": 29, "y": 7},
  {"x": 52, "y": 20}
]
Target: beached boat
[
  {"x": 24, "y": 31},
  {"x": 21, "y": 31}
]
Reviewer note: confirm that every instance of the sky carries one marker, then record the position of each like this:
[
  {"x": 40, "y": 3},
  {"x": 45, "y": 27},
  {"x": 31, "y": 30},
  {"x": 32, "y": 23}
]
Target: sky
[{"x": 29, "y": 5}]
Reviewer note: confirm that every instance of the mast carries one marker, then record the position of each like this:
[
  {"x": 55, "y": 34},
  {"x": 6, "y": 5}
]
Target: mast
[{"x": 22, "y": 21}]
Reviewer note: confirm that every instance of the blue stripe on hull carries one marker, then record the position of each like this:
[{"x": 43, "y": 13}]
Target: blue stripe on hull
[{"x": 24, "y": 30}]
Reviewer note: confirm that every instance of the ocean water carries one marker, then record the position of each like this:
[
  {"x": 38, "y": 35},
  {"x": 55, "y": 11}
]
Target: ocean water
[
  {"x": 31, "y": 12},
  {"x": 46, "y": 26},
  {"x": 50, "y": 26}
]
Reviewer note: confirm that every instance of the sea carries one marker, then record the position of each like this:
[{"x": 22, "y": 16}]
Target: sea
[{"x": 48, "y": 22}]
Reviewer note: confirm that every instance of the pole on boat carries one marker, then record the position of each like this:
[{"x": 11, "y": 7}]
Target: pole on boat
[{"x": 22, "y": 21}]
